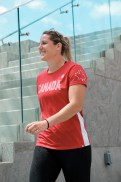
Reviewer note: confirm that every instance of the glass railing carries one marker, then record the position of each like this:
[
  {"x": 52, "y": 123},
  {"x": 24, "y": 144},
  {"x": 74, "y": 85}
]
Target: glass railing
[{"x": 92, "y": 26}]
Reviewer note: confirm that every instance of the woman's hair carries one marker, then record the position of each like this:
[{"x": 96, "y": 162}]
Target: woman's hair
[{"x": 57, "y": 37}]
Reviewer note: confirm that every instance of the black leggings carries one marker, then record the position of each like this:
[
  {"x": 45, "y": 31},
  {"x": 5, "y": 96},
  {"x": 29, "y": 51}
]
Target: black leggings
[{"x": 47, "y": 163}]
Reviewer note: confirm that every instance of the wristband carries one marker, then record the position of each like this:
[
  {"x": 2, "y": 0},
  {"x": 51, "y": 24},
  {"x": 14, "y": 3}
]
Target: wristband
[{"x": 47, "y": 123}]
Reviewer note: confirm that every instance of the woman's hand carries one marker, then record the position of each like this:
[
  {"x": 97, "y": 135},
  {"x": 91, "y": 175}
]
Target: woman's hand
[{"x": 36, "y": 127}]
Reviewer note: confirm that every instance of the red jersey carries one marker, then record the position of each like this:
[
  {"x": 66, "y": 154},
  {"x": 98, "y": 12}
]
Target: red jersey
[{"x": 52, "y": 90}]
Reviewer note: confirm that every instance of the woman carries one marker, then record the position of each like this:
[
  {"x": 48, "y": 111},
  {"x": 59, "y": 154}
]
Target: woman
[{"x": 62, "y": 140}]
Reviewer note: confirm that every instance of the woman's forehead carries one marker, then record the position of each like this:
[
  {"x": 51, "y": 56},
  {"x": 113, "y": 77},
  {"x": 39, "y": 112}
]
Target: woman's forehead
[{"x": 45, "y": 37}]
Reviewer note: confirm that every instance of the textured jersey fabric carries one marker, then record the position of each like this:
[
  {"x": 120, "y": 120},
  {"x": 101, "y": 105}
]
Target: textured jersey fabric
[{"x": 52, "y": 91}]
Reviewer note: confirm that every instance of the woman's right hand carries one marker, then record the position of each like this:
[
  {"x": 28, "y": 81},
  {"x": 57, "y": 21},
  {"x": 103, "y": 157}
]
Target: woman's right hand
[{"x": 36, "y": 127}]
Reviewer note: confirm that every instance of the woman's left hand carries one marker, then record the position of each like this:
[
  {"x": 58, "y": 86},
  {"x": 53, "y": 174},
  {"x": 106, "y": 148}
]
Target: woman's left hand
[{"x": 36, "y": 127}]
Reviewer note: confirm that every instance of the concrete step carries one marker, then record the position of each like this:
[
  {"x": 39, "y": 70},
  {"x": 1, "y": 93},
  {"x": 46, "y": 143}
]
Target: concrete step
[
  {"x": 88, "y": 40},
  {"x": 14, "y": 133},
  {"x": 5, "y": 57},
  {"x": 18, "y": 171},
  {"x": 28, "y": 61},
  {"x": 15, "y": 103},
  {"x": 26, "y": 45},
  {"x": 86, "y": 57},
  {"x": 34, "y": 49},
  {"x": 6, "y": 153},
  {"x": 98, "y": 42},
  {"x": 98, "y": 35},
  {"x": 86, "y": 64},
  {"x": 5, "y": 171},
  {"x": 92, "y": 49},
  {"x": 16, "y": 75},
  {"x": 117, "y": 46},
  {"x": 15, "y": 92},
  {"x": 99, "y": 66},
  {"x": 33, "y": 54},
  {"x": 16, "y": 70},
  {"x": 25, "y": 67},
  {"x": 109, "y": 54},
  {"x": 13, "y": 117},
  {"x": 9, "y": 56},
  {"x": 16, "y": 83},
  {"x": 9, "y": 133}
]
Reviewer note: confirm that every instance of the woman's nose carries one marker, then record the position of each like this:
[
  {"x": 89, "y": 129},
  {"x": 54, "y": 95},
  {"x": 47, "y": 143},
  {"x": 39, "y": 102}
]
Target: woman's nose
[{"x": 40, "y": 47}]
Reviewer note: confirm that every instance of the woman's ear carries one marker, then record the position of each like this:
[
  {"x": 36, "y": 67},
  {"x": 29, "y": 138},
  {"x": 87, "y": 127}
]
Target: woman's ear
[{"x": 59, "y": 46}]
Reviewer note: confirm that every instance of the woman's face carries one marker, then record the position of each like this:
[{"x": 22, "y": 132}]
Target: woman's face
[{"x": 47, "y": 49}]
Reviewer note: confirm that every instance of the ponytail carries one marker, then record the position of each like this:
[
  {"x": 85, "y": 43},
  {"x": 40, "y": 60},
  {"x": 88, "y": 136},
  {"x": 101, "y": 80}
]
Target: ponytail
[{"x": 66, "y": 49}]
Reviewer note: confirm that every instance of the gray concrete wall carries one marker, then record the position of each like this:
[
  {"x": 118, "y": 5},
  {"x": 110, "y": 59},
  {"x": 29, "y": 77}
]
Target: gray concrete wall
[{"x": 103, "y": 102}]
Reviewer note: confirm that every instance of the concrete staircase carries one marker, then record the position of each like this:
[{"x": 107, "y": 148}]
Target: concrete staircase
[
  {"x": 96, "y": 52},
  {"x": 10, "y": 102}
]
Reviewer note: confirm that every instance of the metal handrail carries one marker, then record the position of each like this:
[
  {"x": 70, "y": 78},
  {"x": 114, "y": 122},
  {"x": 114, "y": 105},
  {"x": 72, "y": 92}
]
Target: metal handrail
[
  {"x": 16, "y": 7},
  {"x": 36, "y": 20}
]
